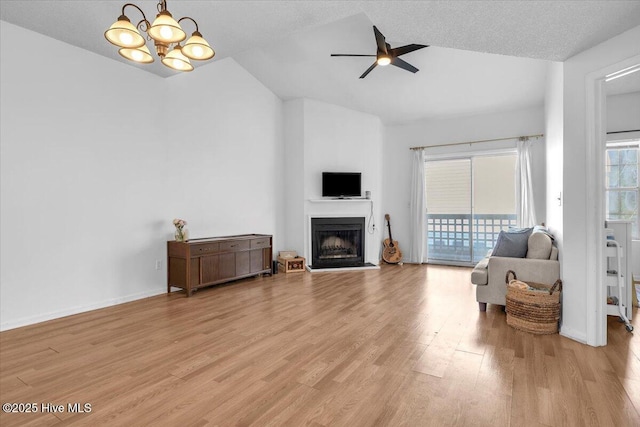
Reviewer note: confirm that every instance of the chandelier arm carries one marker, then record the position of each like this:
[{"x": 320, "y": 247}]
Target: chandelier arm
[
  {"x": 140, "y": 10},
  {"x": 144, "y": 25},
  {"x": 192, "y": 20}
]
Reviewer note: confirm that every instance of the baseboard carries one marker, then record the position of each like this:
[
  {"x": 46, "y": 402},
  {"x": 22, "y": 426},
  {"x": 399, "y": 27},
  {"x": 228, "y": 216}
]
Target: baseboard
[
  {"x": 26, "y": 321},
  {"x": 573, "y": 334}
]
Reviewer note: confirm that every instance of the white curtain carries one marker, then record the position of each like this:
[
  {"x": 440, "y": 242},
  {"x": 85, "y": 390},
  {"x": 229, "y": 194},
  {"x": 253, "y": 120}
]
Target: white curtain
[
  {"x": 418, "y": 209},
  {"x": 525, "y": 207}
]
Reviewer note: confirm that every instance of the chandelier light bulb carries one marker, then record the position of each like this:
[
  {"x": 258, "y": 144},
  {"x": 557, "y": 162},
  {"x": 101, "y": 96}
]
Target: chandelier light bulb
[
  {"x": 126, "y": 39},
  {"x": 166, "y": 32},
  {"x": 123, "y": 34},
  {"x": 139, "y": 54},
  {"x": 165, "y": 29},
  {"x": 197, "y": 48},
  {"x": 176, "y": 60}
]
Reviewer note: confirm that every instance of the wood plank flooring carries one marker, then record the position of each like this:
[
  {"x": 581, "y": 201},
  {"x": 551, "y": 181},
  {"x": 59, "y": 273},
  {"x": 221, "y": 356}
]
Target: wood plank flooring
[{"x": 402, "y": 346}]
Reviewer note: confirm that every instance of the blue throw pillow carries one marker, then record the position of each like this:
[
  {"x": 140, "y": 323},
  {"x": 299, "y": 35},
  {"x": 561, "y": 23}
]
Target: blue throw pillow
[{"x": 512, "y": 243}]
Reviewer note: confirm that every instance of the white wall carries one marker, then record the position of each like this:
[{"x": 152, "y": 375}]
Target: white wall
[
  {"x": 94, "y": 167},
  {"x": 224, "y": 142},
  {"x": 554, "y": 131},
  {"x": 398, "y": 139},
  {"x": 578, "y": 261},
  {"x": 333, "y": 139},
  {"x": 293, "y": 188}
]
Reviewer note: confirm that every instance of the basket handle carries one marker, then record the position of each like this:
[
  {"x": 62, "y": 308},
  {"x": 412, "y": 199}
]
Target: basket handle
[
  {"x": 558, "y": 285},
  {"x": 506, "y": 279}
]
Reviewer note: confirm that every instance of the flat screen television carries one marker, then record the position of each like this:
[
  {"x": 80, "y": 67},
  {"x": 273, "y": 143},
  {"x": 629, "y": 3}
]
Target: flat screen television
[{"x": 341, "y": 184}]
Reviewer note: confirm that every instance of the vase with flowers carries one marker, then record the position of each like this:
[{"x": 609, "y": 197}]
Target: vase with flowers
[{"x": 181, "y": 233}]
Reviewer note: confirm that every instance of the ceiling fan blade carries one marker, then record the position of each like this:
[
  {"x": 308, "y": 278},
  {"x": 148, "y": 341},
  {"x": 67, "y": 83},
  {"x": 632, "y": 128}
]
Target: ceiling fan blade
[
  {"x": 369, "y": 70},
  {"x": 382, "y": 46},
  {"x": 406, "y": 49},
  {"x": 404, "y": 65},
  {"x": 348, "y": 54}
]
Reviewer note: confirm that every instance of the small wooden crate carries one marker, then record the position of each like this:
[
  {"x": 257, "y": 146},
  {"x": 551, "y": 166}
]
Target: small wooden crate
[{"x": 291, "y": 265}]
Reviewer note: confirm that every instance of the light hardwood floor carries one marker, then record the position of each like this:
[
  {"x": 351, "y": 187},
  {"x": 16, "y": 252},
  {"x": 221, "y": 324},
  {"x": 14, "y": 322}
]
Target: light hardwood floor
[{"x": 405, "y": 345}]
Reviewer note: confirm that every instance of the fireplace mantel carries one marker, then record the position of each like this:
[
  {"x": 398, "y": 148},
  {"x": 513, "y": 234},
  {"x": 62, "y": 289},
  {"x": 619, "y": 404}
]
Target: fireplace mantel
[{"x": 354, "y": 200}]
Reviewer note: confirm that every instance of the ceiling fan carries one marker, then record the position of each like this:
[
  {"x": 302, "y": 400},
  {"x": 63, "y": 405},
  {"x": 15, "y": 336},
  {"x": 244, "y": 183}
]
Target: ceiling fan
[{"x": 387, "y": 55}]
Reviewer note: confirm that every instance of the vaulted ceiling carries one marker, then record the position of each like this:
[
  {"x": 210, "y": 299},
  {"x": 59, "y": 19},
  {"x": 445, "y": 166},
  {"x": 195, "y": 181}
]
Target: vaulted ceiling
[{"x": 484, "y": 55}]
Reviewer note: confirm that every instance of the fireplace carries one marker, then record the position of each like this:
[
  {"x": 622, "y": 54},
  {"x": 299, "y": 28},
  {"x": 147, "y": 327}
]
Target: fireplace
[{"x": 337, "y": 242}]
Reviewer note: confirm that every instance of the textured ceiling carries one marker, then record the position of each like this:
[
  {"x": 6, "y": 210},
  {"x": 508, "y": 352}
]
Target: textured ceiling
[
  {"x": 286, "y": 45},
  {"x": 451, "y": 82}
]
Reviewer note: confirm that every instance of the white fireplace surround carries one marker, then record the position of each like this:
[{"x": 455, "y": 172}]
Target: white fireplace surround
[{"x": 371, "y": 243}]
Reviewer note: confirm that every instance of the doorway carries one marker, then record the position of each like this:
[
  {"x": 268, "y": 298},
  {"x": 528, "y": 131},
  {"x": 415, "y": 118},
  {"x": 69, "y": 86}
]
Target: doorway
[{"x": 596, "y": 97}]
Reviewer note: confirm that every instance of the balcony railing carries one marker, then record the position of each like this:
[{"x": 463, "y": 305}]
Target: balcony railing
[{"x": 463, "y": 238}]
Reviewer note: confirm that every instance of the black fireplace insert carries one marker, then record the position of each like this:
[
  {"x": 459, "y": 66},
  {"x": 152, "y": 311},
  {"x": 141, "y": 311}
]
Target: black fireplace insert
[{"x": 337, "y": 242}]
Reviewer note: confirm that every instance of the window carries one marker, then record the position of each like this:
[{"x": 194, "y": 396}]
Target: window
[
  {"x": 622, "y": 193},
  {"x": 469, "y": 201}
]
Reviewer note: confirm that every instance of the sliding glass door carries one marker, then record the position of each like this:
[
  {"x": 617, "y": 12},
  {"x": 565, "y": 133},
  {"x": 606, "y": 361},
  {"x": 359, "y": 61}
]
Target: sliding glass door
[
  {"x": 469, "y": 200},
  {"x": 448, "y": 184}
]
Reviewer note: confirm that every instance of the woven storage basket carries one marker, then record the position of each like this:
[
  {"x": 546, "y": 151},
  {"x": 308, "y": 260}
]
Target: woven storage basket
[{"x": 536, "y": 311}]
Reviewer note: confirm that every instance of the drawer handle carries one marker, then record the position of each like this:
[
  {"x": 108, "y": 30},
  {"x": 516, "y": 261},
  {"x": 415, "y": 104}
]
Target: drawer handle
[{"x": 233, "y": 246}]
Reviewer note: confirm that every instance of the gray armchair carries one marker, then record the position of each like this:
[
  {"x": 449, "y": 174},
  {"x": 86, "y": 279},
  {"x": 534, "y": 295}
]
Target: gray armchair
[{"x": 540, "y": 265}]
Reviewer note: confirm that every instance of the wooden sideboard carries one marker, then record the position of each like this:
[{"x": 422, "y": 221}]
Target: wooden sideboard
[{"x": 197, "y": 263}]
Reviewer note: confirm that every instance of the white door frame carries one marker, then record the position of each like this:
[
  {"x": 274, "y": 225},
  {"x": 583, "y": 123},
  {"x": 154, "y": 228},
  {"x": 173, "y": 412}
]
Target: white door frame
[{"x": 596, "y": 110}]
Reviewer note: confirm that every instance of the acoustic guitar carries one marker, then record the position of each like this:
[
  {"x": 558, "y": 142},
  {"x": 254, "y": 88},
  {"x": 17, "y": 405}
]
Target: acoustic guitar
[{"x": 391, "y": 253}]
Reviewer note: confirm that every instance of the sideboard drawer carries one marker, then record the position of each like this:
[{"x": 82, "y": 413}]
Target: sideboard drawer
[
  {"x": 235, "y": 245},
  {"x": 260, "y": 243},
  {"x": 204, "y": 249}
]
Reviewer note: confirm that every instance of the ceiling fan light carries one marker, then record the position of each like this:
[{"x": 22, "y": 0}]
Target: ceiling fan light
[
  {"x": 123, "y": 34},
  {"x": 383, "y": 60},
  {"x": 177, "y": 61},
  {"x": 166, "y": 29},
  {"x": 197, "y": 48},
  {"x": 139, "y": 54}
]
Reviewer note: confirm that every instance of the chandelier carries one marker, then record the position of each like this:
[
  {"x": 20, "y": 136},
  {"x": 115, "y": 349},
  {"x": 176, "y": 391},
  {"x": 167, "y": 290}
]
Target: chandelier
[{"x": 166, "y": 34}]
